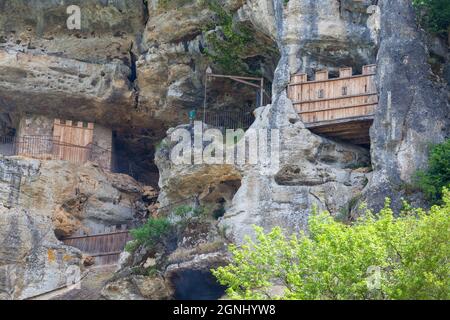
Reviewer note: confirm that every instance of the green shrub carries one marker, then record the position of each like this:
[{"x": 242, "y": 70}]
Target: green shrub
[
  {"x": 437, "y": 176},
  {"x": 434, "y": 15},
  {"x": 150, "y": 234},
  {"x": 378, "y": 257},
  {"x": 186, "y": 212}
]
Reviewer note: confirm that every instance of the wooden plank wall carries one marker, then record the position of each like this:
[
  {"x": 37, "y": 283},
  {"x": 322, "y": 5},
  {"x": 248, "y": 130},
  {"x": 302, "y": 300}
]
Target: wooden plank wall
[
  {"x": 324, "y": 99},
  {"x": 104, "y": 247},
  {"x": 72, "y": 140}
]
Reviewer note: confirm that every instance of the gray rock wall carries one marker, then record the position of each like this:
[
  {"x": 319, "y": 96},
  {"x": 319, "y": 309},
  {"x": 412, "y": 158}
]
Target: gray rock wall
[{"x": 413, "y": 111}]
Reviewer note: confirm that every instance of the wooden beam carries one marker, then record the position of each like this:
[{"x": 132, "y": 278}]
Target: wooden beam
[
  {"x": 339, "y": 121},
  {"x": 338, "y": 98},
  {"x": 334, "y": 79},
  {"x": 343, "y": 127}
]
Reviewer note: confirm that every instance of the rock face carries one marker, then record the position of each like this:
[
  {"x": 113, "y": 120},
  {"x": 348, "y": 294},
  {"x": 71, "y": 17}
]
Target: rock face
[
  {"x": 76, "y": 197},
  {"x": 43, "y": 200},
  {"x": 41, "y": 84},
  {"x": 32, "y": 260},
  {"x": 413, "y": 111},
  {"x": 317, "y": 34},
  {"x": 138, "y": 67},
  {"x": 312, "y": 171},
  {"x": 45, "y": 66}
]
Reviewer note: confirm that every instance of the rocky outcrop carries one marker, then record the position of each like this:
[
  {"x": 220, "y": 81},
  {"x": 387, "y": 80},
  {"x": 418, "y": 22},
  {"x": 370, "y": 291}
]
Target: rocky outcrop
[
  {"x": 137, "y": 67},
  {"x": 32, "y": 260},
  {"x": 41, "y": 84},
  {"x": 413, "y": 111},
  {"x": 312, "y": 171},
  {"x": 76, "y": 197},
  {"x": 326, "y": 34},
  {"x": 43, "y": 200}
]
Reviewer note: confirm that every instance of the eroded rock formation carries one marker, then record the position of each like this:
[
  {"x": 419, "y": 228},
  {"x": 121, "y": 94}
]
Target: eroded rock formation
[
  {"x": 139, "y": 69},
  {"x": 43, "y": 200}
]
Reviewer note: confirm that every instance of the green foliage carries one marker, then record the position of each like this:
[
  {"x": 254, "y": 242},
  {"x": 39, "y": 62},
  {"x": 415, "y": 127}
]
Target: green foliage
[
  {"x": 378, "y": 257},
  {"x": 437, "y": 175},
  {"x": 434, "y": 15},
  {"x": 186, "y": 212},
  {"x": 229, "y": 46},
  {"x": 150, "y": 234}
]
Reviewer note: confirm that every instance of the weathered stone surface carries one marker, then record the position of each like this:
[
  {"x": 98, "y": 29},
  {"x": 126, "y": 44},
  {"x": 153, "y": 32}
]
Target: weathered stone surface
[
  {"x": 42, "y": 84},
  {"x": 325, "y": 34},
  {"x": 76, "y": 197},
  {"x": 413, "y": 111},
  {"x": 109, "y": 29},
  {"x": 312, "y": 171},
  {"x": 32, "y": 260},
  {"x": 122, "y": 289},
  {"x": 138, "y": 288}
]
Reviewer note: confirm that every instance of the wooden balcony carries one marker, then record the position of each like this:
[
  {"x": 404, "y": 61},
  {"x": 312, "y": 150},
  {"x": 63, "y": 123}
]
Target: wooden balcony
[{"x": 340, "y": 108}]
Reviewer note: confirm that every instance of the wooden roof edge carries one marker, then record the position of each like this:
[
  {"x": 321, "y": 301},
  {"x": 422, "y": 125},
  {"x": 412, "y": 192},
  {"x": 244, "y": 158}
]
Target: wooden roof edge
[{"x": 362, "y": 74}]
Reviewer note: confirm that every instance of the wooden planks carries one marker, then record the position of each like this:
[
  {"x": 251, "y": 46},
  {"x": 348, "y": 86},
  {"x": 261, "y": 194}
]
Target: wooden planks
[
  {"x": 105, "y": 248},
  {"x": 325, "y": 100},
  {"x": 73, "y": 140}
]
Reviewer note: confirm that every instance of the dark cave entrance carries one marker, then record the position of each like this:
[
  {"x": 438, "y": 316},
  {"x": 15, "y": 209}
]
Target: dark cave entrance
[
  {"x": 134, "y": 154},
  {"x": 197, "y": 285}
]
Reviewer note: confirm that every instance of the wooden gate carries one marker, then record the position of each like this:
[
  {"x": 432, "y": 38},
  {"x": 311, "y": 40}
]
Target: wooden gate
[
  {"x": 68, "y": 134},
  {"x": 104, "y": 247}
]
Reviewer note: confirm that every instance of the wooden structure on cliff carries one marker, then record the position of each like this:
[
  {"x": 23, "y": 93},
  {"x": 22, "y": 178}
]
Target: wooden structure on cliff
[
  {"x": 72, "y": 133},
  {"x": 341, "y": 108},
  {"x": 105, "y": 247},
  {"x": 44, "y": 138}
]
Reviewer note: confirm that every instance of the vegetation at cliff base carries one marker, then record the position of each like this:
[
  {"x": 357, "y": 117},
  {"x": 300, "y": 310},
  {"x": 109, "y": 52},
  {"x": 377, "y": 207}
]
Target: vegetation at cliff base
[
  {"x": 437, "y": 176},
  {"x": 378, "y": 257},
  {"x": 434, "y": 15}
]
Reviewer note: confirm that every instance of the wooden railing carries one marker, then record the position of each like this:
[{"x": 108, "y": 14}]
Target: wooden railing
[
  {"x": 49, "y": 148},
  {"x": 328, "y": 100}
]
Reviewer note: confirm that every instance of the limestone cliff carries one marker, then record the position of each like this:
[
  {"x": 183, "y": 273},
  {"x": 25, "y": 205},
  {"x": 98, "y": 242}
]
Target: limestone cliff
[{"x": 138, "y": 68}]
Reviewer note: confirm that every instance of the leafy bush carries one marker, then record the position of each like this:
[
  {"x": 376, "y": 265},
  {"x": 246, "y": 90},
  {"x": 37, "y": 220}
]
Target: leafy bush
[
  {"x": 437, "y": 175},
  {"x": 150, "y": 234},
  {"x": 186, "y": 212},
  {"x": 378, "y": 257},
  {"x": 434, "y": 15}
]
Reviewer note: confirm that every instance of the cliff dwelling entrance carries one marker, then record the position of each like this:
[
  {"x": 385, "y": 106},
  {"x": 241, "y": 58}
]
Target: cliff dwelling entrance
[
  {"x": 240, "y": 117},
  {"x": 46, "y": 138},
  {"x": 340, "y": 108}
]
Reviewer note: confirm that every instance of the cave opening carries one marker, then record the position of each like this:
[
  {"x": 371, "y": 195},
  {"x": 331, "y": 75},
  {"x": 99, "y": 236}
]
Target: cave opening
[
  {"x": 197, "y": 285},
  {"x": 134, "y": 155}
]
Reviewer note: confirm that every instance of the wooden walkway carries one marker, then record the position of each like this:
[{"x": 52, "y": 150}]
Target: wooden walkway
[{"x": 340, "y": 108}]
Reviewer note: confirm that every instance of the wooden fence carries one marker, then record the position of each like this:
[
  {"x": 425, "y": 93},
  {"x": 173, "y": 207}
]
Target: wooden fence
[
  {"x": 105, "y": 247},
  {"x": 49, "y": 148}
]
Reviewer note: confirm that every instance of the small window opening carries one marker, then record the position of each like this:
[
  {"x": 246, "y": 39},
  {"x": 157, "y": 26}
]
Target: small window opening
[
  {"x": 320, "y": 94},
  {"x": 344, "y": 91}
]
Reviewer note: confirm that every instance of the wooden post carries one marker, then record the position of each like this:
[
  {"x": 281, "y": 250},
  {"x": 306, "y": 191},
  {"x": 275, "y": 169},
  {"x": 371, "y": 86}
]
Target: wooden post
[{"x": 262, "y": 92}]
